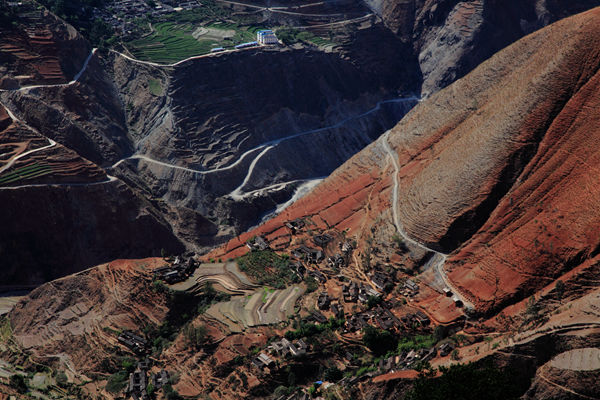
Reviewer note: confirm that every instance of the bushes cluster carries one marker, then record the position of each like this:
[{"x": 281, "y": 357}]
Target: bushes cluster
[
  {"x": 471, "y": 382},
  {"x": 268, "y": 268}
]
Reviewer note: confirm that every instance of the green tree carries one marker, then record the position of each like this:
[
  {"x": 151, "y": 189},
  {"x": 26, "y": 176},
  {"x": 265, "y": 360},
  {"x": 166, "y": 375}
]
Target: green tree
[
  {"x": 170, "y": 393},
  {"x": 333, "y": 374},
  {"x": 291, "y": 378},
  {"x": 439, "y": 333},
  {"x": 373, "y": 301},
  {"x": 117, "y": 382},
  {"x": 61, "y": 379},
  {"x": 150, "y": 390},
  {"x": 128, "y": 364},
  {"x": 379, "y": 341},
  {"x": 454, "y": 355},
  {"x": 311, "y": 284},
  {"x": 99, "y": 32},
  {"x": 196, "y": 335},
  {"x": 470, "y": 382},
  {"x": 18, "y": 382}
]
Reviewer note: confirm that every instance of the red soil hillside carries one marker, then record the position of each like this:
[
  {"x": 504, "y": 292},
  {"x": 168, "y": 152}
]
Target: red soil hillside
[
  {"x": 83, "y": 311},
  {"x": 499, "y": 170}
]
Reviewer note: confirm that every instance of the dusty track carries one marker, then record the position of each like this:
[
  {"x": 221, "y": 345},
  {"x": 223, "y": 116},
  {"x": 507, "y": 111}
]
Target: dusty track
[{"x": 440, "y": 257}]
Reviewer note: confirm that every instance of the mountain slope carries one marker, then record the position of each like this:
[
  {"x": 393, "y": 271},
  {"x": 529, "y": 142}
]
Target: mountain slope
[
  {"x": 485, "y": 189},
  {"x": 495, "y": 170}
]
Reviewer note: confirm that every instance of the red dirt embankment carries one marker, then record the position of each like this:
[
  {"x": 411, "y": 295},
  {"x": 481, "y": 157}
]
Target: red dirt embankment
[{"x": 77, "y": 316}]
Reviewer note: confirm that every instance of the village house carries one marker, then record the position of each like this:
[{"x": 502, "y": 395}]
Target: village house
[
  {"x": 387, "y": 364},
  {"x": 136, "y": 387},
  {"x": 144, "y": 365},
  {"x": 295, "y": 225},
  {"x": 410, "y": 288},
  {"x": 263, "y": 361},
  {"x": 246, "y": 45},
  {"x": 284, "y": 347},
  {"x": 298, "y": 268},
  {"x": 365, "y": 292},
  {"x": 323, "y": 301},
  {"x": 179, "y": 270},
  {"x": 134, "y": 342},
  {"x": 266, "y": 37},
  {"x": 322, "y": 240},
  {"x": 381, "y": 280},
  {"x": 318, "y": 317},
  {"x": 356, "y": 322},
  {"x": 422, "y": 318},
  {"x": 446, "y": 349},
  {"x": 316, "y": 256},
  {"x": 385, "y": 319},
  {"x": 411, "y": 285},
  {"x": 308, "y": 254},
  {"x": 258, "y": 243},
  {"x": 457, "y": 301},
  {"x": 350, "y": 292},
  {"x": 160, "y": 379},
  {"x": 337, "y": 310},
  {"x": 318, "y": 275},
  {"x": 337, "y": 261},
  {"x": 346, "y": 247}
]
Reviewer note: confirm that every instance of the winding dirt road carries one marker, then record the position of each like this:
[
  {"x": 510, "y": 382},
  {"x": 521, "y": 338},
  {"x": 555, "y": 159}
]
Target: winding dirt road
[
  {"x": 440, "y": 257},
  {"x": 265, "y": 147},
  {"x": 75, "y": 78},
  {"x": 12, "y": 161}
]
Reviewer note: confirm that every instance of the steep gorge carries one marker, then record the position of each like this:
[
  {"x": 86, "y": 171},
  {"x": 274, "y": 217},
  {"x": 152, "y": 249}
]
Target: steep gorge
[{"x": 207, "y": 147}]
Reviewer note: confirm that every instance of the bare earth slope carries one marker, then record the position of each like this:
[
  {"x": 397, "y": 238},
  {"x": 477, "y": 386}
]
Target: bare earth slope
[{"x": 82, "y": 309}]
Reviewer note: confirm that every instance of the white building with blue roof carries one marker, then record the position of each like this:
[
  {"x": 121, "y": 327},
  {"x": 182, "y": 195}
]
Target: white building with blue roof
[{"x": 266, "y": 36}]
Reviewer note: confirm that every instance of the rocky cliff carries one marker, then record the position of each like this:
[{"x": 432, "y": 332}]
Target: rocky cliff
[
  {"x": 452, "y": 37},
  {"x": 62, "y": 213}
]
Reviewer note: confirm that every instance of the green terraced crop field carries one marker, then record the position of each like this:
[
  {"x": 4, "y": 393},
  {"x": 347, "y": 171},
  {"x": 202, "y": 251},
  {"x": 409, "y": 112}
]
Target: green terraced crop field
[
  {"x": 172, "y": 41},
  {"x": 27, "y": 172},
  {"x": 169, "y": 43}
]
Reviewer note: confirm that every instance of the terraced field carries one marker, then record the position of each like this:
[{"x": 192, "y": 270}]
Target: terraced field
[
  {"x": 30, "y": 171},
  {"x": 264, "y": 307},
  {"x": 226, "y": 275},
  {"x": 173, "y": 41},
  {"x": 29, "y": 158}
]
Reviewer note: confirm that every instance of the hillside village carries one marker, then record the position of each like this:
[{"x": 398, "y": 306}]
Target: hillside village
[{"x": 364, "y": 305}]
